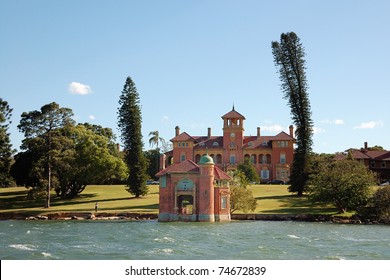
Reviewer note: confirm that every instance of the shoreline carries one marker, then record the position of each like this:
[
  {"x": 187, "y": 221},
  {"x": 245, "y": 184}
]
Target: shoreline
[{"x": 133, "y": 216}]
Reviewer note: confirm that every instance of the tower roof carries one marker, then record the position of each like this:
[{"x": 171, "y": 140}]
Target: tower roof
[
  {"x": 233, "y": 114},
  {"x": 206, "y": 159}
]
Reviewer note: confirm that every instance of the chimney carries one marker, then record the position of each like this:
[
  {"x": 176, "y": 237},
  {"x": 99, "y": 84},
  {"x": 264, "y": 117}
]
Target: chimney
[
  {"x": 291, "y": 131},
  {"x": 177, "y": 131},
  {"x": 209, "y": 132},
  {"x": 365, "y": 145},
  {"x": 118, "y": 147},
  {"x": 258, "y": 132}
]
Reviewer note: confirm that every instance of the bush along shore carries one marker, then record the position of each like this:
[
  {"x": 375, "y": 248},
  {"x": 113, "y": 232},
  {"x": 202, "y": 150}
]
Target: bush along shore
[{"x": 153, "y": 216}]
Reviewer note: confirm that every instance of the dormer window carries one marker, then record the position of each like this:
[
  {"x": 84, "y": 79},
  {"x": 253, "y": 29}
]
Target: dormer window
[
  {"x": 265, "y": 143},
  {"x": 201, "y": 144},
  {"x": 215, "y": 144},
  {"x": 250, "y": 144}
]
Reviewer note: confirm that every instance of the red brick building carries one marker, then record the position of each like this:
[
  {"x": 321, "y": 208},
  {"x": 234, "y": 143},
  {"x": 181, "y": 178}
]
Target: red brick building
[
  {"x": 377, "y": 161},
  {"x": 194, "y": 192},
  {"x": 272, "y": 156}
]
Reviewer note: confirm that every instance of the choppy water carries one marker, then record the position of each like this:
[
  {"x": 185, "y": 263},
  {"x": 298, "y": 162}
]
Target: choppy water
[{"x": 153, "y": 240}]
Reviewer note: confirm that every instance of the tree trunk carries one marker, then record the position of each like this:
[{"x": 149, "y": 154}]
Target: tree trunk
[{"x": 47, "y": 202}]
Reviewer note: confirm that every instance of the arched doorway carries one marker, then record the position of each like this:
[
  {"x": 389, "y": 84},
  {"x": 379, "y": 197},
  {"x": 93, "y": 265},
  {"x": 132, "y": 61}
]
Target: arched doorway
[
  {"x": 185, "y": 204},
  {"x": 185, "y": 200}
]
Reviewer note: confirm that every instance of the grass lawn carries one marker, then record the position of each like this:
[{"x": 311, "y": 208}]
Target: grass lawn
[{"x": 271, "y": 199}]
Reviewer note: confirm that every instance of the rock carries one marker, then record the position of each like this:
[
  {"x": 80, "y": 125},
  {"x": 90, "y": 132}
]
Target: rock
[
  {"x": 91, "y": 217},
  {"x": 41, "y": 217}
]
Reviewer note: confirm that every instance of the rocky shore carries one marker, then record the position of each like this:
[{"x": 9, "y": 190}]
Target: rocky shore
[{"x": 150, "y": 216}]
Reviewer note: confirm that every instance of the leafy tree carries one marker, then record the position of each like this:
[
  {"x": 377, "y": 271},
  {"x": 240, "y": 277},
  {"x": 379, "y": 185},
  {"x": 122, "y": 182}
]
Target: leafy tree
[
  {"x": 152, "y": 156},
  {"x": 241, "y": 198},
  {"x": 129, "y": 122},
  {"x": 39, "y": 128},
  {"x": 89, "y": 160},
  {"x": 249, "y": 171},
  {"x": 6, "y": 150},
  {"x": 154, "y": 140},
  {"x": 344, "y": 183},
  {"x": 289, "y": 57},
  {"x": 382, "y": 203},
  {"x": 80, "y": 157}
]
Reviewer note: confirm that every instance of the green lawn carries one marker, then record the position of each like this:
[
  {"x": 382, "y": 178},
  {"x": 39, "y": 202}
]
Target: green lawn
[{"x": 271, "y": 199}]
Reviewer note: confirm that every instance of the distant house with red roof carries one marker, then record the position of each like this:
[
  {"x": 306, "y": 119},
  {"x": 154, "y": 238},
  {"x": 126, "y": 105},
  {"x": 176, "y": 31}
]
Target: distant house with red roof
[
  {"x": 377, "y": 161},
  {"x": 272, "y": 156}
]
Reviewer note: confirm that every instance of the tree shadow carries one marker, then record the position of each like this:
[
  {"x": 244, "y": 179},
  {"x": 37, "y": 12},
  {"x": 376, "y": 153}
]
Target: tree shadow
[{"x": 293, "y": 204}]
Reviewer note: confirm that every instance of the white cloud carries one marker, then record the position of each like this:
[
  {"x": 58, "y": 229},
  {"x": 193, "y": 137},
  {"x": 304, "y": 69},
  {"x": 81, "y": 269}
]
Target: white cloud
[
  {"x": 77, "y": 88},
  {"x": 333, "y": 122},
  {"x": 165, "y": 119},
  {"x": 272, "y": 128},
  {"x": 369, "y": 125},
  {"x": 91, "y": 117},
  {"x": 317, "y": 130}
]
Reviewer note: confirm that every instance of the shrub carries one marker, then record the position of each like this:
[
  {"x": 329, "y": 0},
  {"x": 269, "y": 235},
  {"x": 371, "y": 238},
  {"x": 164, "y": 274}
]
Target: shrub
[{"x": 382, "y": 203}]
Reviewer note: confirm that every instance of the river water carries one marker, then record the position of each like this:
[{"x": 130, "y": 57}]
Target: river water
[{"x": 126, "y": 240}]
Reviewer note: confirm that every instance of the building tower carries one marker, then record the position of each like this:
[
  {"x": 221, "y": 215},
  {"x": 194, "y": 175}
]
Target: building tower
[
  {"x": 206, "y": 190},
  {"x": 233, "y": 137}
]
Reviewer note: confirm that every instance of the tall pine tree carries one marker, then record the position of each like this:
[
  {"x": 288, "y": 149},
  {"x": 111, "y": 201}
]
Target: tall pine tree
[
  {"x": 289, "y": 57},
  {"x": 129, "y": 122},
  {"x": 6, "y": 150}
]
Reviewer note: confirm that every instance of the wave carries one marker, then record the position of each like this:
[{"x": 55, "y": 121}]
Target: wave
[
  {"x": 25, "y": 247},
  {"x": 293, "y": 236},
  {"x": 165, "y": 239},
  {"x": 47, "y": 255}
]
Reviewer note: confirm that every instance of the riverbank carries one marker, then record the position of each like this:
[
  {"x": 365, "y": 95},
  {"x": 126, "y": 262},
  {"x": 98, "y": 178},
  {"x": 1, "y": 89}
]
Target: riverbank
[{"x": 65, "y": 216}]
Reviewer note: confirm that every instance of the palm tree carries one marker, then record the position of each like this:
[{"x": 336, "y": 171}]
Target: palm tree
[{"x": 155, "y": 139}]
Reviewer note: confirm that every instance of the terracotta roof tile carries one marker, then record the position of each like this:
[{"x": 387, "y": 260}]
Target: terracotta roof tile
[
  {"x": 377, "y": 154},
  {"x": 188, "y": 166},
  {"x": 183, "y": 137},
  {"x": 209, "y": 143},
  {"x": 233, "y": 114},
  {"x": 220, "y": 175},
  {"x": 182, "y": 167}
]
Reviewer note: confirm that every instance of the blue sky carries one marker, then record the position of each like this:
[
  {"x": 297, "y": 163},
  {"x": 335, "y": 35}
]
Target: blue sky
[{"x": 191, "y": 60}]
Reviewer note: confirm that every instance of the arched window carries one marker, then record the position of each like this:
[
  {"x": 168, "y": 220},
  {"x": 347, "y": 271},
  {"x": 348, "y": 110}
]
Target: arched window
[
  {"x": 253, "y": 159},
  {"x": 282, "y": 158}
]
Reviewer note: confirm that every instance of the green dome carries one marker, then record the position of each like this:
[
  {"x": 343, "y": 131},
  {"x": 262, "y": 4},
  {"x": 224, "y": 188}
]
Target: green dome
[{"x": 206, "y": 159}]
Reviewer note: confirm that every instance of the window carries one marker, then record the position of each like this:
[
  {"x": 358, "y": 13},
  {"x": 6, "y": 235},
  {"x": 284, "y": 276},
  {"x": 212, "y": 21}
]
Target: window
[
  {"x": 232, "y": 159},
  {"x": 253, "y": 159},
  {"x": 223, "y": 202},
  {"x": 265, "y": 143},
  {"x": 373, "y": 163},
  {"x": 264, "y": 159},
  {"x": 282, "y": 158},
  {"x": 163, "y": 181},
  {"x": 182, "y": 157},
  {"x": 201, "y": 144},
  {"x": 383, "y": 164},
  {"x": 282, "y": 144},
  {"x": 215, "y": 144},
  {"x": 264, "y": 174}
]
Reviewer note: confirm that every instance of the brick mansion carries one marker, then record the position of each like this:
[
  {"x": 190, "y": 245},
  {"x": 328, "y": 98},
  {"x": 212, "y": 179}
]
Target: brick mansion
[{"x": 272, "y": 156}]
